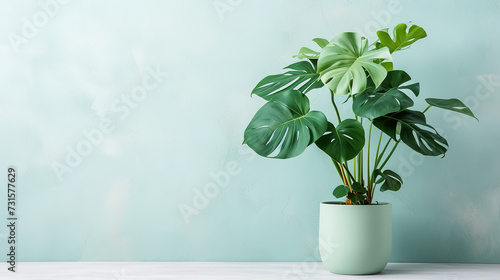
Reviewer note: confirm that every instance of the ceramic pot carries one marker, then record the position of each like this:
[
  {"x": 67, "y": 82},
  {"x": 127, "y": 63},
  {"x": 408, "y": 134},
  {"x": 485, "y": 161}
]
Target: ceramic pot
[{"x": 355, "y": 239}]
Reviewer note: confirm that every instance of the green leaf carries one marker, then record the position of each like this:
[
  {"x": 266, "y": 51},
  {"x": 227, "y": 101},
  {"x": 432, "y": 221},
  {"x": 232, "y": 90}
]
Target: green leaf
[
  {"x": 340, "y": 191},
  {"x": 353, "y": 198},
  {"x": 387, "y": 98},
  {"x": 395, "y": 79},
  {"x": 307, "y": 53},
  {"x": 402, "y": 39},
  {"x": 414, "y": 132},
  {"x": 357, "y": 198},
  {"x": 358, "y": 188},
  {"x": 451, "y": 104},
  {"x": 361, "y": 198},
  {"x": 392, "y": 181},
  {"x": 371, "y": 105},
  {"x": 301, "y": 76},
  {"x": 284, "y": 126},
  {"x": 343, "y": 62},
  {"x": 321, "y": 42},
  {"x": 387, "y": 65},
  {"x": 344, "y": 142},
  {"x": 312, "y": 54}
]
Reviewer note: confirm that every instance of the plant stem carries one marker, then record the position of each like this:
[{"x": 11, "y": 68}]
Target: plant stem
[
  {"x": 342, "y": 176},
  {"x": 377, "y": 160},
  {"x": 335, "y": 106},
  {"x": 428, "y": 107},
  {"x": 346, "y": 183},
  {"x": 344, "y": 179},
  {"x": 349, "y": 173},
  {"x": 360, "y": 163},
  {"x": 354, "y": 171},
  {"x": 340, "y": 170},
  {"x": 390, "y": 154},
  {"x": 378, "y": 157},
  {"x": 337, "y": 167},
  {"x": 368, "y": 157},
  {"x": 378, "y": 147}
]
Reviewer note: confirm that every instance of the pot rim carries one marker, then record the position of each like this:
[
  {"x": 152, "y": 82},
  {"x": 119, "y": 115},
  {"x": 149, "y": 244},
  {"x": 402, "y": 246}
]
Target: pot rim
[{"x": 340, "y": 203}]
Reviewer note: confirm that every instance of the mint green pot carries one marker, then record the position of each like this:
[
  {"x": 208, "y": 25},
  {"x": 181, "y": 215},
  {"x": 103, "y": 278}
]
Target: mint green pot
[{"x": 355, "y": 239}]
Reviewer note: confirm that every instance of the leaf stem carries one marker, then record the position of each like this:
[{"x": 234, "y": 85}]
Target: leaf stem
[
  {"x": 428, "y": 107},
  {"x": 390, "y": 154},
  {"x": 346, "y": 182},
  {"x": 335, "y": 106},
  {"x": 368, "y": 157},
  {"x": 349, "y": 173},
  {"x": 340, "y": 170},
  {"x": 377, "y": 160},
  {"x": 360, "y": 163},
  {"x": 354, "y": 171},
  {"x": 338, "y": 166},
  {"x": 378, "y": 148}
]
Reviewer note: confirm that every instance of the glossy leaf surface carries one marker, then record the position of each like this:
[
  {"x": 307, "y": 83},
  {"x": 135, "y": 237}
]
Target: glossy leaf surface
[
  {"x": 414, "y": 132},
  {"x": 284, "y": 127},
  {"x": 300, "y": 76},
  {"x": 343, "y": 62},
  {"x": 343, "y": 142}
]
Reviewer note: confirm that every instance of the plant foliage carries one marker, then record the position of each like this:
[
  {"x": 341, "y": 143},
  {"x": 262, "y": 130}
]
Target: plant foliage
[{"x": 382, "y": 103}]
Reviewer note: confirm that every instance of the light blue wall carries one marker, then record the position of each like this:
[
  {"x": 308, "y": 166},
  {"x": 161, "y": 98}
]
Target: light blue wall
[{"x": 187, "y": 69}]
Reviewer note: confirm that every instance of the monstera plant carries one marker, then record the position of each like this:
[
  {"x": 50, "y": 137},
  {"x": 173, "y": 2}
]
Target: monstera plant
[{"x": 361, "y": 142}]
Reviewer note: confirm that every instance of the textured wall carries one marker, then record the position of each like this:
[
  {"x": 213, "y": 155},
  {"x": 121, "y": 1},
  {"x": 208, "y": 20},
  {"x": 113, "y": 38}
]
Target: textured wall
[{"x": 123, "y": 115}]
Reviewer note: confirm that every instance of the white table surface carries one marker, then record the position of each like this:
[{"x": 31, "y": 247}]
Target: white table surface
[{"x": 235, "y": 271}]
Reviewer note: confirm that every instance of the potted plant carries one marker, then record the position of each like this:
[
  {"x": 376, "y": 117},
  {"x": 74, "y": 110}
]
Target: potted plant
[{"x": 355, "y": 234}]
